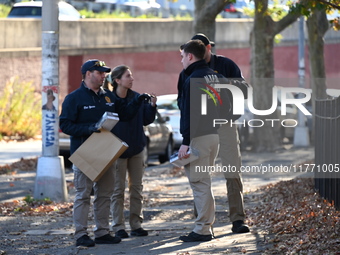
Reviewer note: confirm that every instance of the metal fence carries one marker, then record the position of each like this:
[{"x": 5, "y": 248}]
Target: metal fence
[{"x": 327, "y": 149}]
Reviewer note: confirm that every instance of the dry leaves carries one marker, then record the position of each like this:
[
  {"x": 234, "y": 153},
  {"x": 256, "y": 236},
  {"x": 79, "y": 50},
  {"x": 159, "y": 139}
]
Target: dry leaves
[
  {"x": 297, "y": 219},
  {"x": 36, "y": 208},
  {"x": 23, "y": 165},
  {"x": 33, "y": 207}
]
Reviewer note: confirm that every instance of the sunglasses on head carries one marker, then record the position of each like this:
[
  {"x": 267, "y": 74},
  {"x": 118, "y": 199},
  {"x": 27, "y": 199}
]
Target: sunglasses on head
[{"x": 98, "y": 63}]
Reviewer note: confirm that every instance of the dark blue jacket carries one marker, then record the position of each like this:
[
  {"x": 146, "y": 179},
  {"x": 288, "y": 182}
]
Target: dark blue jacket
[
  {"x": 229, "y": 69},
  {"x": 132, "y": 131},
  {"x": 193, "y": 123},
  {"x": 225, "y": 66},
  {"x": 83, "y": 108}
]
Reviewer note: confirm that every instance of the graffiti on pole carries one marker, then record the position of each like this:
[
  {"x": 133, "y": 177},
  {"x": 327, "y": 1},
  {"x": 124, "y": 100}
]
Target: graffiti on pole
[{"x": 50, "y": 93}]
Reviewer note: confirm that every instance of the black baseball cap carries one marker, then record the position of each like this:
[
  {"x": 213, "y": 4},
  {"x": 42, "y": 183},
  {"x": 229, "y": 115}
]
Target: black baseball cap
[
  {"x": 95, "y": 64},
  {"x": 203, "y": 38}
]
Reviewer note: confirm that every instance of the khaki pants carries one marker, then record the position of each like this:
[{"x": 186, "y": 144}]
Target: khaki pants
[
  {"x": 101, "y": 205},
  {"x": 230, "y": 155},
  {"x": 134, "y": 166},
  {"x": 200, "y": 182}
]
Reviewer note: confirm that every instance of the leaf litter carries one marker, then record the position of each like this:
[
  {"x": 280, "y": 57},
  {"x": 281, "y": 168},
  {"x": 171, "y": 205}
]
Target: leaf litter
[{"x": 294, "y": 218}]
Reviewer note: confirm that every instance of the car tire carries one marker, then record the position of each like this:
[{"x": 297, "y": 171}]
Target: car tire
[{"x": 168, "y": 152}]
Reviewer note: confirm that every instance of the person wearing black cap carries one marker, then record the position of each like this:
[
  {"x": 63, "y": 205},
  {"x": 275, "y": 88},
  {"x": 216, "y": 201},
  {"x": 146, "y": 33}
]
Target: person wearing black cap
[
  {"x": 228, "y": 136},
  {"x": 81, "y": 110}
]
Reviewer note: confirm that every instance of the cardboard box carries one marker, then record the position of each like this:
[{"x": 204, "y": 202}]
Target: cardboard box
[
  {"x": 182, "y": 162},
  {"x": 98, "y": 153},
  {"x": 107, "y": 121}
]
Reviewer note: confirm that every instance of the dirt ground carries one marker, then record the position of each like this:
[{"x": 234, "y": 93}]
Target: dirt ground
[{"x": 168, "y": 212}]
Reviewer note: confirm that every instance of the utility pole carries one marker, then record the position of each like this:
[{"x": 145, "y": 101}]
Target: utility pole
[
  {"x": 50, "y": 179},
  {"x": 301, "y": 134}
]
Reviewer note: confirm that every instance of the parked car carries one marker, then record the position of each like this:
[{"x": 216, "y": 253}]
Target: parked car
[
  {"x": 178, "y": 7},
  {"x": 235, "y": 10},
  {"x": 159, "y": 140},
  {"x": 134, "y": 7},
  {"x": 34, "y": 10},
  {"x": 140, "y": 7},
  {"x": 246, "y": 8},
  {"x": 167, "y": 107}
]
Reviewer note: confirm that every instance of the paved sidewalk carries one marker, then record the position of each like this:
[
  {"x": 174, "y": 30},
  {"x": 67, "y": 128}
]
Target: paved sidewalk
[
  {"x": 168, "y": 207},
  {"x": 13, "y": 151}
]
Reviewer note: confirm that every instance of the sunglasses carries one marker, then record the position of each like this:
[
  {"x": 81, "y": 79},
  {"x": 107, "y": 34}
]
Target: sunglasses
[{"x": 98, "y": 63}]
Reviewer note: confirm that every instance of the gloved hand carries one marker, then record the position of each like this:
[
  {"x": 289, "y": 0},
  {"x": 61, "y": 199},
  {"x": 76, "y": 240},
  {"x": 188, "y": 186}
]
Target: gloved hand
[
  {"x": 144, "y": 97},
  {"x": 93, "y": 128}
]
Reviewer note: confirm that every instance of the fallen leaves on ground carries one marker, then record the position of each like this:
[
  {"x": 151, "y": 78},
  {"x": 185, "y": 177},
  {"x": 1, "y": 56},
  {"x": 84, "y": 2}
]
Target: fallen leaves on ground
[
  {"x": 36, "y": 208},
  {"x": 296, "y": 219},
  {"x": 22, "y": 165}
]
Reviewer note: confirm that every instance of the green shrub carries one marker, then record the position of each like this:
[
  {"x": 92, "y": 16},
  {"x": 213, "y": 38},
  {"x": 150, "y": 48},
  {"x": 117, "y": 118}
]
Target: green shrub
[
  {"x": 4, "y": 10},
  {"x": 20, "y": 110}
]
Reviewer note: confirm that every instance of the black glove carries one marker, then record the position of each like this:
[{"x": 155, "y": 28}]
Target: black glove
[
  {"x": 144, "y": 97},
  {"x": 93, "y": 128}
]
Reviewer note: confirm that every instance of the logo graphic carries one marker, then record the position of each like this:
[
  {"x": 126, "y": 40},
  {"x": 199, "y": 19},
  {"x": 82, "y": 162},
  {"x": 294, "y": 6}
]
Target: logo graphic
[{"x": 211, "y": 95}]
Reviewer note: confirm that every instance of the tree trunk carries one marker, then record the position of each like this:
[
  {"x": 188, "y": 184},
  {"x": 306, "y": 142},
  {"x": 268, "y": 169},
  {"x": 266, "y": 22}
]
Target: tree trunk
[
  {"x": 267, "y": 137},
  {"x": 317, "y": 26},
  {"x": 205, "y": 15}
]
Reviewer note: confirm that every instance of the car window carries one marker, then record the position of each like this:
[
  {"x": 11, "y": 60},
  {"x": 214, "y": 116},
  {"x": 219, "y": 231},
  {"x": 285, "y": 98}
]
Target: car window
[
  {"x": 25, "y": 11},
  {"x": 29, "y": 10}
]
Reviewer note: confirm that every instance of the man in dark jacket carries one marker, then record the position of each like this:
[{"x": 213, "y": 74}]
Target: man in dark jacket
[
  {"x": 81, "y": 110},
  {"x": 229, "y": 141},
  {"x": 199, "y": 134}
]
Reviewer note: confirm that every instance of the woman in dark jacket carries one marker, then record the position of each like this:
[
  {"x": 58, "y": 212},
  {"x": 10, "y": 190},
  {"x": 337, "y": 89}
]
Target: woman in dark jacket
[{"x": 132, "y": 160}]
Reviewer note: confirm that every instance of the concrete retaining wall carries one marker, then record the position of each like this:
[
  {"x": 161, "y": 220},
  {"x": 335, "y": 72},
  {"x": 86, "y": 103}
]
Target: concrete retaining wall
[{"x": 149, "y": 47}]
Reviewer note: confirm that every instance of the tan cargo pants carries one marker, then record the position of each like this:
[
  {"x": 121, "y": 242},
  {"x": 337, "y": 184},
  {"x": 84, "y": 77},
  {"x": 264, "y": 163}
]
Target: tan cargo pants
[
  {"x": 230, "y": 155},
  {"x": 101, "y": 204},
  {"x": 200, "y": 182},
  {"x": 134, "y": 166}
]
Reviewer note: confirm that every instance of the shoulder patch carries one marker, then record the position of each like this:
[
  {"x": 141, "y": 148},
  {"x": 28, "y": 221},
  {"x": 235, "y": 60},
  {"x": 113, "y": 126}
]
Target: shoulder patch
[{"x": 108, "y": 100}]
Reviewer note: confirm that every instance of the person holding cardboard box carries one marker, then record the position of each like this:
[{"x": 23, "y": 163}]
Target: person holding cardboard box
[
  {"x": 81, "y": 110},
  {"x": 132, "y": 160}
]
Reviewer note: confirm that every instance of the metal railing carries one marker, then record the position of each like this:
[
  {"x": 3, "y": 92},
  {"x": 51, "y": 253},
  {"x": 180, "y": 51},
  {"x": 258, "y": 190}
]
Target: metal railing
[{"x": 327, "y": 149}]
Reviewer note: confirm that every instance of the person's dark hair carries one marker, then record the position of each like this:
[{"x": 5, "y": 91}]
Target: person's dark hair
[
  {"x": 116, "y": 73},
  {"x": 195, "y": 47}
]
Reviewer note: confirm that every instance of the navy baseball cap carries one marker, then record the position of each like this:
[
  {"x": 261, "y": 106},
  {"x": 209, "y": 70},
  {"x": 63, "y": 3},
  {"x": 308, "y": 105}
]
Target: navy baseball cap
[
  {"x": 95, "y": 64},
  {"x": 203, "y": 38}
]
